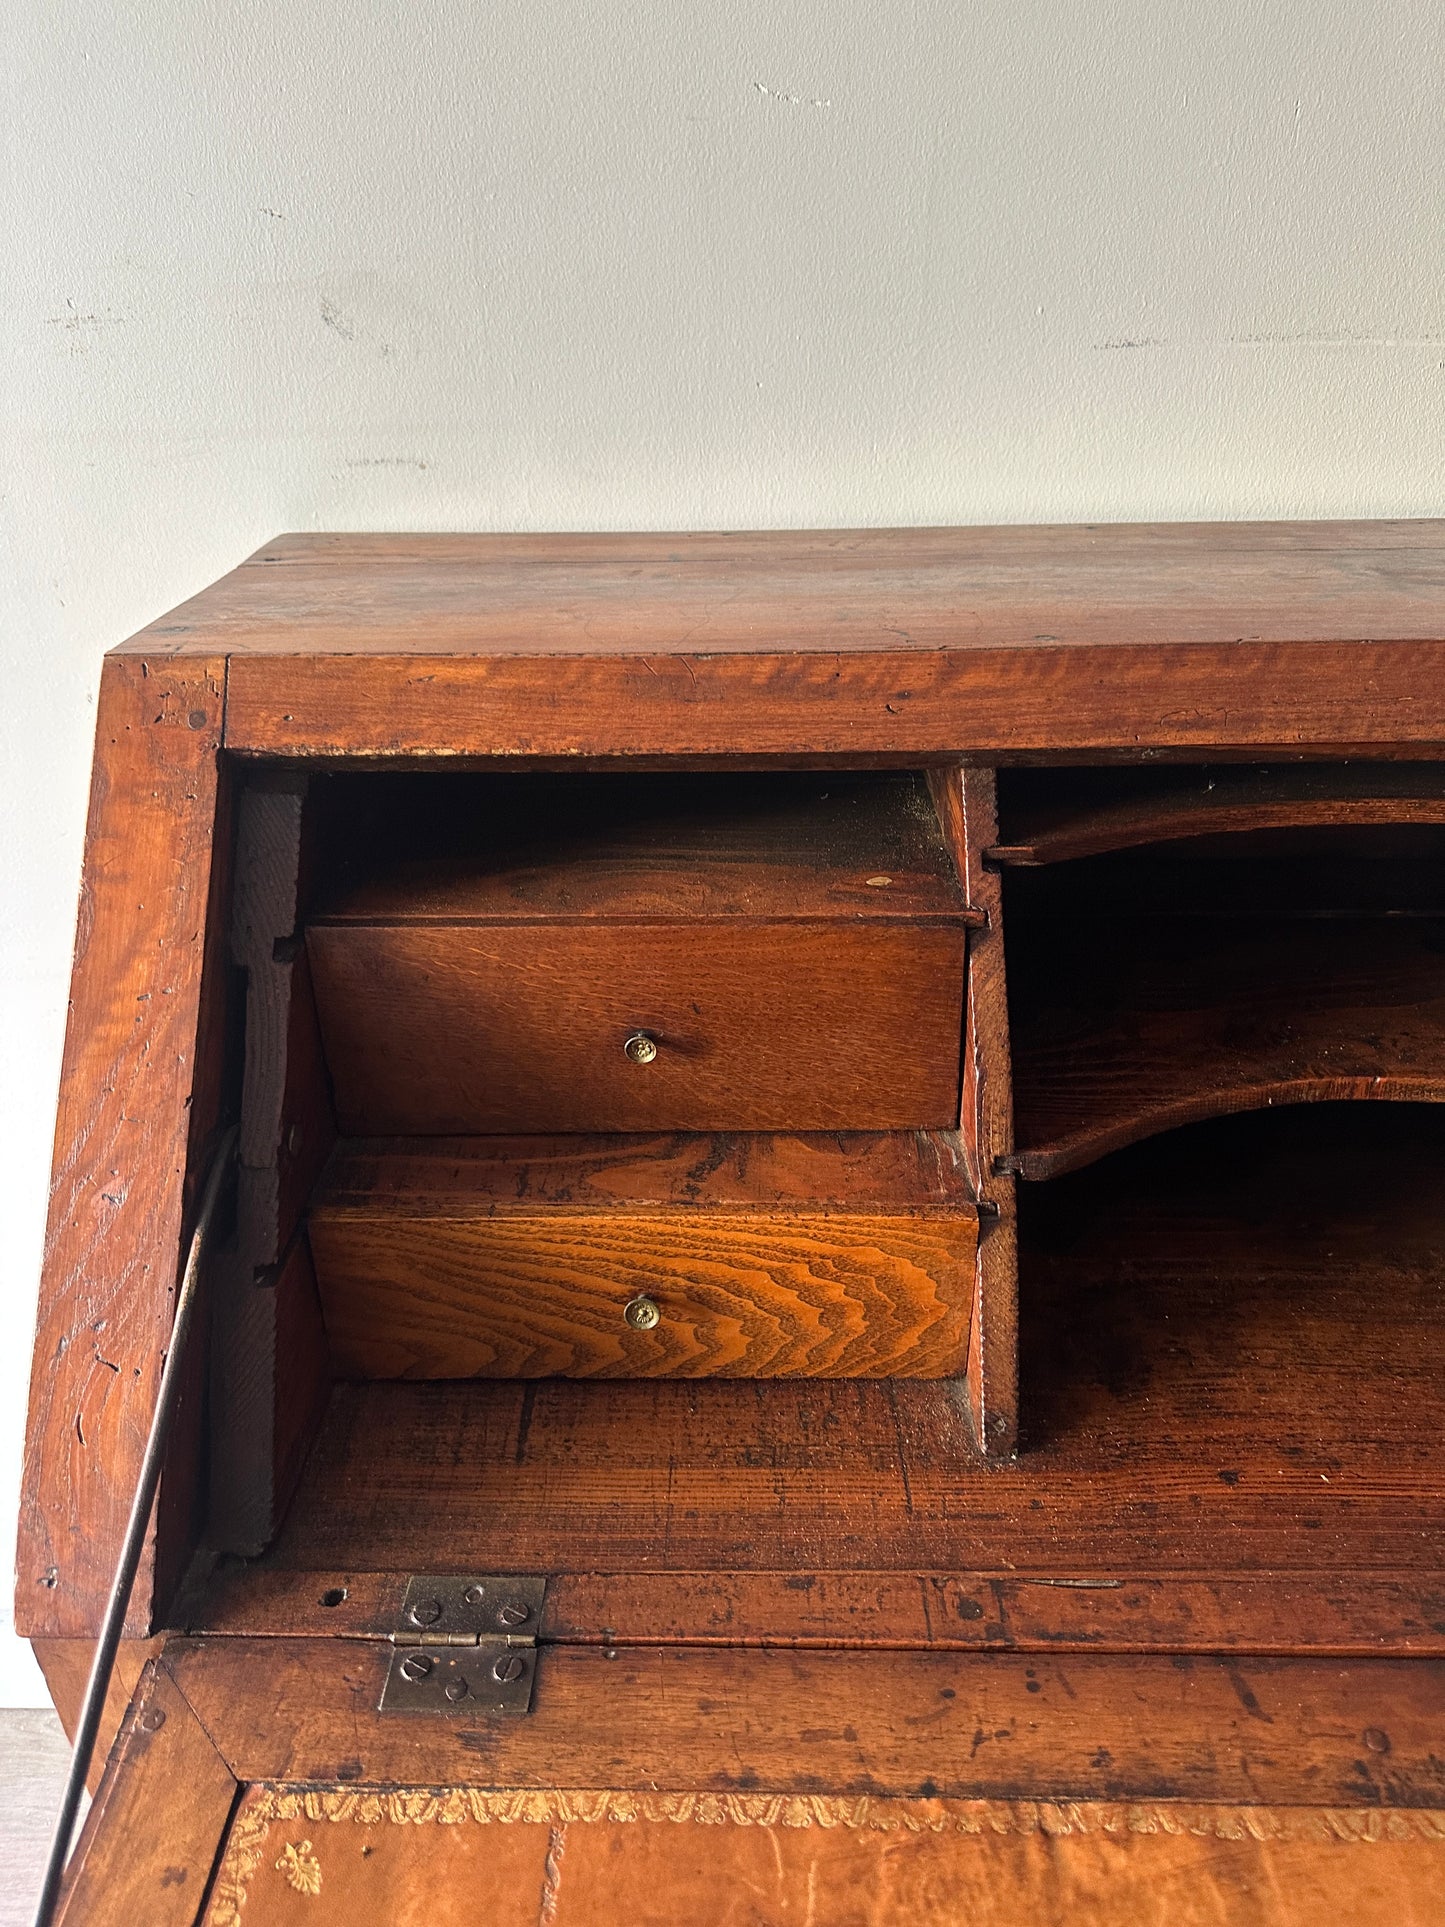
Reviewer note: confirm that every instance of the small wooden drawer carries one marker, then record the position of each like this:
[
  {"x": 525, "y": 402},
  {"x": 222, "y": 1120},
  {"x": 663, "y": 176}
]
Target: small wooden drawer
[
  {"x": 734, "y": 954},
  {"x": 532, "y": 1260}
]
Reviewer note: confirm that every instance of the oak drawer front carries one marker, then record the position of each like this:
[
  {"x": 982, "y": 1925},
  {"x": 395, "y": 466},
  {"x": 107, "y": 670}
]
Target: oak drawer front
[
  {"x": 434, "y": 1028},
  {"x": 737, "y": 1294}
]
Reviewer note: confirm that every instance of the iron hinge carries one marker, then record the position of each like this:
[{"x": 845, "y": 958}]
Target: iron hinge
[{"x": 465, "y": 1644}]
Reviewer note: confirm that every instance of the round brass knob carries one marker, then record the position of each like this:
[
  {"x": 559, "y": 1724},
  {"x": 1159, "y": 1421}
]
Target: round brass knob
[
  {"x": 640, "y": 1048},
  {"x": 642, "y": 1312}
]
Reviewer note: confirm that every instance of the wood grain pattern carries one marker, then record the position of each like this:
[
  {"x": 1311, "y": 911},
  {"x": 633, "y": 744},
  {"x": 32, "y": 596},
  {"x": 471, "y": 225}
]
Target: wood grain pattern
[
  {"x": 1162, "y": 806},
  {"x": 837, "y": 591},
  {"x": 1196, "y": 1311},
  {"x": 911, "y": 1170},
  {"x": 842, "y": 644},
  {"x": 447, "y": 1029},
  {"x": 1121, "y": 1031},
  {"x": 128, "y": 1077},
  {"x": 968, "y": 809},
  {"x": 779, "y": 847},
  {"x": 158, "y": 1821},
  {"x": 914, "y": 1724},
  {"x": 1328, "y": 1612},
  {"x": 533, "y": 1293},
  {"x": 1335, "y": 698}
]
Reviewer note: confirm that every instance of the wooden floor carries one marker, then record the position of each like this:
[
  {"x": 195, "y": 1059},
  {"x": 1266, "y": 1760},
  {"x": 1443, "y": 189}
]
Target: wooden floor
[{"x": 34, "y": 1756}]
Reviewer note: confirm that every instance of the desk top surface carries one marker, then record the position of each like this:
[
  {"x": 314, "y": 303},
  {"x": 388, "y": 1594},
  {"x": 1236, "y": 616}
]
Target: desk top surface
[{"x": 786, "y": 591}]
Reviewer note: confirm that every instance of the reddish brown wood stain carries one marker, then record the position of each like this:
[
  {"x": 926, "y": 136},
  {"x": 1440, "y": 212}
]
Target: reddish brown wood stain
[{"x": 1210, "y": 1579}]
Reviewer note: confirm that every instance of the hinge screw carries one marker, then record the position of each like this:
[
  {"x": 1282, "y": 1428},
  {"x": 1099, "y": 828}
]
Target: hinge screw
[
  {"x": 509, "y": 1667},
  {"x": 474, "y": 1595},
  {"x": 426, "y": 1612},
  {"x": 456, "y": 1689},
  {"x": 415, "y": 1666},
  {"x": 514, "y": 1615}
]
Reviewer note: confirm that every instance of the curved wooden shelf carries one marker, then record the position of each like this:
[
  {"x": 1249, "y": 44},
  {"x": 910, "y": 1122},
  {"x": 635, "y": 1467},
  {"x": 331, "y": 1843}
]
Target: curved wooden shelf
[
  {"x": 1169, "y": 807},
  {"x": 1127, "y": 1031}
]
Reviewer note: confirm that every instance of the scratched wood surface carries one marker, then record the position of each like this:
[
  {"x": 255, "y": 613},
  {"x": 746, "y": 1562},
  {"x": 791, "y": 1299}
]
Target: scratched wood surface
[
  {"x": 1329, "y": 1610},
  {"x": 914, "y": 1724},
  {"x": 833, "y": 644},
  {"x": 1233, "y": 1349},
  {"x": 136, "y": 1055},
  {"x": 158, "y": 1820},
  {"x": 841, "y": 591}
]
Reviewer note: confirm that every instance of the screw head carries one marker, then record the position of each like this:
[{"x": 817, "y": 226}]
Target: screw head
[
  {"x": 642, "y": 1312},
  {"x": 456, "y": 1690},
  {"x": 514, "y": 1613},
  {"x": 640, "y": 1048},
  {"x": 425, "y": 1612},
  {"x": 510, "y": 1666},
  {"x": 153, "y": 1719},
  {"x": 416, "y": 1666}
]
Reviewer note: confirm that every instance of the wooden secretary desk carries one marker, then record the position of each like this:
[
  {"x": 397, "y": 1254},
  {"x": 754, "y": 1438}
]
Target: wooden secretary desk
[{"x": 811, "y": 1324}]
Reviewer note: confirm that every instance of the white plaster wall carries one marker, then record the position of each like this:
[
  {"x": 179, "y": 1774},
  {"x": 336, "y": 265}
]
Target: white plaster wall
[{"x": 278, "y": 264}]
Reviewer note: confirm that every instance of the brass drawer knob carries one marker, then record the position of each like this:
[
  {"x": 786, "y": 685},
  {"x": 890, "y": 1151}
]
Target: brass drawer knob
[
  {"x": 642, "y": 1312},
  {"x": 640, "y": 1048}
]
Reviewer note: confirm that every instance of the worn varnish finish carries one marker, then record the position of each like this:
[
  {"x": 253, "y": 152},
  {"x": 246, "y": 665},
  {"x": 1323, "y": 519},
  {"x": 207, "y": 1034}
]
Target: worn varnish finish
[
  {"x": 1210, "y": 1578},
  {"x": 121, "y": 1141},
  {"x": 1089, "y": 1727},
  {"x": 1272, "y": 1613},
  {"x": 1123, "y": 1030},
  {"x": 66, "y": 1665},
  {"x": 611, "y": 1859},
  {"x": 1287, "y": 635},
  {"x": 1196, "y": 1314},
  {"x": 158, "y": 1821}
]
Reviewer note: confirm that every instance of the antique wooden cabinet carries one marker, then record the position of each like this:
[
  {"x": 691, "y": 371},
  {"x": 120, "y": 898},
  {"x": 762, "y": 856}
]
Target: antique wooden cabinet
[{"x": 812, "y": 1326}]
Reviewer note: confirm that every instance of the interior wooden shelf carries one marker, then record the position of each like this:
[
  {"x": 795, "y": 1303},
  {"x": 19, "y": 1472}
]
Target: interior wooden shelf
[
  {"x": 789, "y": 846},
  {"x": 1125, "y": 1029},
  {"x": 480, "y": 1176},
  {"x": 1234, "y": 1362},
  {"x": 1063, "y": 815}
]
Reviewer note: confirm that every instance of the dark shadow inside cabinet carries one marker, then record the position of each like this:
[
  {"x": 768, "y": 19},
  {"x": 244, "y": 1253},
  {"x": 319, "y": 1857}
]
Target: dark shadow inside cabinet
[{"x": 627, "y": 1222}]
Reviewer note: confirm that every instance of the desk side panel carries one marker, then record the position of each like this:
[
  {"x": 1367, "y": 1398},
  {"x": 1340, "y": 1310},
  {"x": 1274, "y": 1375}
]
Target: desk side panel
[{"x": 139, "y": 1082}]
